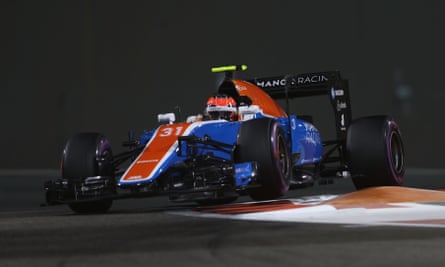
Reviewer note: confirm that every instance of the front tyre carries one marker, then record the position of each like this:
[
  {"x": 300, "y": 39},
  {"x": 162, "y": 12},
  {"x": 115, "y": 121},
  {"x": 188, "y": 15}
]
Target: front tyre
[
  {"x": 375, "y": 152},
  {"x": 87, "y": 155},
  {"x": 263, "y": 141}
]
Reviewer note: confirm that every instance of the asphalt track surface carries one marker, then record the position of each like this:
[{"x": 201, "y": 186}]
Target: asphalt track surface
[{"x": 149, "y": 232}]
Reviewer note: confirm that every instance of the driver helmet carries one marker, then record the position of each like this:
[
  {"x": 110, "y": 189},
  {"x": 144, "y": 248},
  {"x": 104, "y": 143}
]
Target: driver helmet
[{"x": 221, "y": 107}]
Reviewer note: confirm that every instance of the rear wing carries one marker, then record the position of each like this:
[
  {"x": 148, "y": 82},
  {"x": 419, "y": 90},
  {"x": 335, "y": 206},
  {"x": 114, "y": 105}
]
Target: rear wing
[
  {"x": 311, "y": 84},
  {"x": 300, "y": 85}
]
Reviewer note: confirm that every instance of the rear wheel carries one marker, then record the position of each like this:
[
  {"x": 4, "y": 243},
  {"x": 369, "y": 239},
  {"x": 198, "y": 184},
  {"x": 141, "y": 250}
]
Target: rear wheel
[
  {"x": 263, "y": 141},
  {"x": 87, "y": 155},
  {"x": 375, "y": 152}
]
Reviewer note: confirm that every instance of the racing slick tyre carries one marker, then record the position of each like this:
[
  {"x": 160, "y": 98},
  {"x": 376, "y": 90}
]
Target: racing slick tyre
[
  {"x": 375, "y": 153},
  {"x": 263, "y": 141},
  {"x": 87, "y": 155}
]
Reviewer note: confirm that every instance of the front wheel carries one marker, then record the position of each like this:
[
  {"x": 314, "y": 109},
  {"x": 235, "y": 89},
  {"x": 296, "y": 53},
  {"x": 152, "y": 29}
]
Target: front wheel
[
  {"x": 375, "y": 152},
  {"x": 87, "y": 155},
  {"x": 263, "y": 141}
]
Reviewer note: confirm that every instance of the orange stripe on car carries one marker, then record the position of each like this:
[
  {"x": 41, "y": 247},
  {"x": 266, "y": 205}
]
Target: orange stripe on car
[{"x": 159, "y": 148}]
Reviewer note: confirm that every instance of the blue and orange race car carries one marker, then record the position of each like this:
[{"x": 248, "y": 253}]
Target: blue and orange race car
[{"x": 243, "y": 143}]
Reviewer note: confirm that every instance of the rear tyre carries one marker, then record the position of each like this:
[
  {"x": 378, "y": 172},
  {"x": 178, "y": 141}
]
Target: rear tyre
[
  {"x": 263, "y": 141},
  {"x": 87, "y": 155},
  {"x": 375, "y": 152}
]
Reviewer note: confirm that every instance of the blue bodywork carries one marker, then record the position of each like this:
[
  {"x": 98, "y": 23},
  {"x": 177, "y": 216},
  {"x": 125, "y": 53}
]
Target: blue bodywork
[{"x": 303, "y": 140}]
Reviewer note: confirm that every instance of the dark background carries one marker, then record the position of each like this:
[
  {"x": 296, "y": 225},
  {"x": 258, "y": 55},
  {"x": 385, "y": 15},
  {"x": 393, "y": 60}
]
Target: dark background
[{"x": 110, "y": 66}]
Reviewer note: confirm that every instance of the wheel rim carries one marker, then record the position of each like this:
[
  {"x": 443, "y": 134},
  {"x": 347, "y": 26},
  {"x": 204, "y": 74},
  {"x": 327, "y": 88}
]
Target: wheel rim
[
  {"x": 396, "y": 153},
  {"x": 104, "y": 156},
  {"x": 282, "y": 156}
]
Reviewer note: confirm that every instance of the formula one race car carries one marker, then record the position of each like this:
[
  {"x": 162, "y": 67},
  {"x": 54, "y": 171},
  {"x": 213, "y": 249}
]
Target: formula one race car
[{"x": 243, "y": 143}]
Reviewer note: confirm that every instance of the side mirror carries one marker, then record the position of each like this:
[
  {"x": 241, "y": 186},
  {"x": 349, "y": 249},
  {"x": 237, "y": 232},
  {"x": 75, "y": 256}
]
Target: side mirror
[{"x": 166, "y": 118}]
